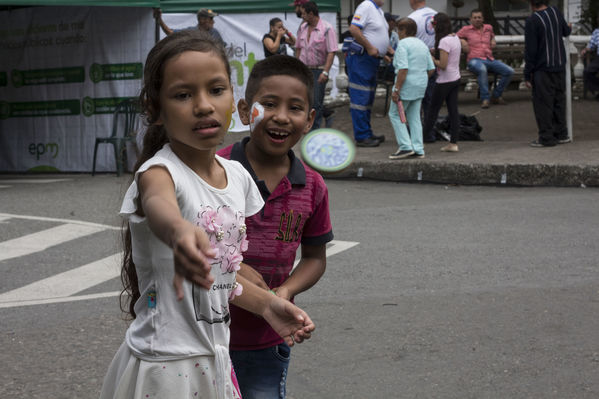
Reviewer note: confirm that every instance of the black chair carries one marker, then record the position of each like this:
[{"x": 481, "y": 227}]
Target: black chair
[{"x": 126, "y": 116}]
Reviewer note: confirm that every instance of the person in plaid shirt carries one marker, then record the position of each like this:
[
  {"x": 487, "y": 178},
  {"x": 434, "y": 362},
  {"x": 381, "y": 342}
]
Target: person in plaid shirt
[{"x": 591, "y": 71}]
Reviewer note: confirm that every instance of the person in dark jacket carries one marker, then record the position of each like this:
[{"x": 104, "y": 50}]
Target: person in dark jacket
[{"x": 545, "y": 72}]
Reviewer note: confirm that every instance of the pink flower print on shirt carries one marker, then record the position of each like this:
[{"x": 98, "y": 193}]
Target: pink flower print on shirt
[
  {"x": 236, "y": 291},
  {"x": 244, "y": 245},
  {"x": 227, "y": 232},
  {"x": 211, "y": 221},
  {"x": 231, "y": 264}
]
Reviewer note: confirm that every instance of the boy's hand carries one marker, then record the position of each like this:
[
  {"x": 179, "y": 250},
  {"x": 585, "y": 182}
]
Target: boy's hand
[
  {"x": 192, "y": 253},
  {"x": 290, "y": 322},
  {"x": 282, "y": 292}
]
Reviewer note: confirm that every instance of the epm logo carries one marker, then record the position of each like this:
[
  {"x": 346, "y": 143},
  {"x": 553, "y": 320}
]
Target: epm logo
[{"x": 40, "y": 149}]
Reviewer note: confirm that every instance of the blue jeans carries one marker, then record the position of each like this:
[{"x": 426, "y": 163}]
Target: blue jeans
[
  {"x": 482, "y": 67},
  {"x": 262, "y": 373},
  {"x": 319, "y": 90}
]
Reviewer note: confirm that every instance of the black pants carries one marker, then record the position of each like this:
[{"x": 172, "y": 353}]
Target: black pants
[
  {"x": 447, "y": 92},
  {"x": 426, "y": 105},
  {"x": 590, "y": 74},
  {"x": 549, "y": 104}
]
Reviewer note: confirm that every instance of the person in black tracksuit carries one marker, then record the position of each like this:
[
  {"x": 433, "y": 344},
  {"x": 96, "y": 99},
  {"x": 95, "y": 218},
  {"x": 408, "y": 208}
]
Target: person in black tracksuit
[{"x": 545, "y": 71}]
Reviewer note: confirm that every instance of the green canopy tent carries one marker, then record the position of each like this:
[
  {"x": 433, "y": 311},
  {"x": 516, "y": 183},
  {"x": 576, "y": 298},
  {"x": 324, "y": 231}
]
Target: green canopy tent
[
  {"x": 185, "y": 6},
  {"x": 181, "y": 6}
]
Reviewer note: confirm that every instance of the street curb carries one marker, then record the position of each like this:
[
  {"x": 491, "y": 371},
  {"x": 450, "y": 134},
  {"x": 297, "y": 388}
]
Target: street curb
[{"x": 474, "y": 173}]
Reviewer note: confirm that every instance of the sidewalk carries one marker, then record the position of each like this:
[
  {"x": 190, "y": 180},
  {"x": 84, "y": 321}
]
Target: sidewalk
[{"x": 504, "y": 157}]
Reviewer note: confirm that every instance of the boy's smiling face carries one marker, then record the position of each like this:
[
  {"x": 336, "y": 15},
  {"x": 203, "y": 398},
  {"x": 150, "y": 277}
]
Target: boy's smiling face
[{"x": 287, "y": 114}]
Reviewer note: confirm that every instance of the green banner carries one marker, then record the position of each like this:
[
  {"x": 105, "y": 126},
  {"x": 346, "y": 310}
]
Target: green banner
[
  {"x": 47, "y": 76},
  {"x": 98, "y": 72},
  {"x": 185, "y": 6},
  {"x": 94, "y": 106},
  {"x": 3, "y": 79},
  {"x": 39, "y": 108},
  {"x": 116, "y": 3}
]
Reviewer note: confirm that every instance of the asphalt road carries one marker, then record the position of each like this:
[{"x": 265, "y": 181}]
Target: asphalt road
[{"x": 451, "y": 292}]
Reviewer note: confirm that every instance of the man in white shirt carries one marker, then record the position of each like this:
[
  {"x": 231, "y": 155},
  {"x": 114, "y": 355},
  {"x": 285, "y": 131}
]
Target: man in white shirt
[
  {"x": 423, "y": 16},
  {"x": 371, "y": 42}
]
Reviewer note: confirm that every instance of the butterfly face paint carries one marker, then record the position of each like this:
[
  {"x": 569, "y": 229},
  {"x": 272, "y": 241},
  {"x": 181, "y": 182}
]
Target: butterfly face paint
[{"x": 256, "y": 115}]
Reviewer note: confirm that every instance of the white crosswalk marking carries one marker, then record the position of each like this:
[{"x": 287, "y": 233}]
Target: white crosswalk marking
[
  {"x": 31, "y": 181},
  {"x": 65, "y": 284},
  {"x": 63, "y": 287},
  {"x": 337, "y": 246},
  {"x": 333, "y": 247},
  {"x": 45, "y": 239}
]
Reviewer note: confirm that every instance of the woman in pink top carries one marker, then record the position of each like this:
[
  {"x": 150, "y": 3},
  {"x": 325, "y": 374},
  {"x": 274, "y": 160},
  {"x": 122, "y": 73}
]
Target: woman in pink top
[{"x": 447, "y": 61}]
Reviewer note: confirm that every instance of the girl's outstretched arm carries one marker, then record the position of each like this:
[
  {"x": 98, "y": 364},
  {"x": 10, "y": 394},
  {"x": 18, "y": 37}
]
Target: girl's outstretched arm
[
  {"x": 289, "y": 321},
  {"x": 190, "y": 244}
]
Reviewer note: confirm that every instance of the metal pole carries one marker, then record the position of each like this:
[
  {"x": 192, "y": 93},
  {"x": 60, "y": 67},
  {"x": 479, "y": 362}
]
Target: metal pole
[{"x": 568, "y": 77}]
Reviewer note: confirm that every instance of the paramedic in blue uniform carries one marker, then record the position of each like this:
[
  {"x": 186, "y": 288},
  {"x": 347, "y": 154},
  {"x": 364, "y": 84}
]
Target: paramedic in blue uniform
[{"x": 370, "y": 30}]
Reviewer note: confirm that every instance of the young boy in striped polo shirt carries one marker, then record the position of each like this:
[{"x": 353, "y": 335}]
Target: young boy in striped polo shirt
[{"x": 278, "y": 108}]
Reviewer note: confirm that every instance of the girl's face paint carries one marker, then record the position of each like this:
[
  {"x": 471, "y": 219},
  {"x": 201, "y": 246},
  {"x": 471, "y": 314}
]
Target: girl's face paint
[
  {"x": 229, "y": 118},
  {"x": 256, "y": 115}
]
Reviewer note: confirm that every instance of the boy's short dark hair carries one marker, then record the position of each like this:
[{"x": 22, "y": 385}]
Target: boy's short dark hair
[
  {"x": 476, "y": 11},
  {"x": 279, "y": 65}
]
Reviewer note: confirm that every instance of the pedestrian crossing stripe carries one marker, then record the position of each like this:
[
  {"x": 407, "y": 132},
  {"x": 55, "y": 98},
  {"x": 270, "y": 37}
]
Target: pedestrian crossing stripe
[
  {"x": 31, "y": 181},
  {"x": 42, "y": 240},
  {"x": 63, "y": 287}
]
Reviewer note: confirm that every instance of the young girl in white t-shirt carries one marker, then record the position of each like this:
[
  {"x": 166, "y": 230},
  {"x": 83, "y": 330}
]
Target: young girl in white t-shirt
[
  {"x": 186, "y": 232},
  {"x": 447, "y": 60}
]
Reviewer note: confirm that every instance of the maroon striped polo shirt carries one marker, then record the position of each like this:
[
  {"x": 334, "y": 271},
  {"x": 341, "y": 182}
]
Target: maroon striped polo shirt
[{"x": 296, "y": 212}]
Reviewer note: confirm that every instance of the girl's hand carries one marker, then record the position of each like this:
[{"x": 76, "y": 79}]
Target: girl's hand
[
  {"x": 192, "y": 253},
  {"x": 289, "y": 321}
]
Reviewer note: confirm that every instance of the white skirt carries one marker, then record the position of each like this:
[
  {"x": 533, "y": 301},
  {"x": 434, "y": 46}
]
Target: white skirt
[{"x": 129, "y": 377}]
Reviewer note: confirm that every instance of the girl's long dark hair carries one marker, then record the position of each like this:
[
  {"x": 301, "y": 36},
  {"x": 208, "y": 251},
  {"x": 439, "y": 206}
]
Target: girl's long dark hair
[
  {"x": 156, "y": 136},
  {"x": 442, "y": 28}
]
